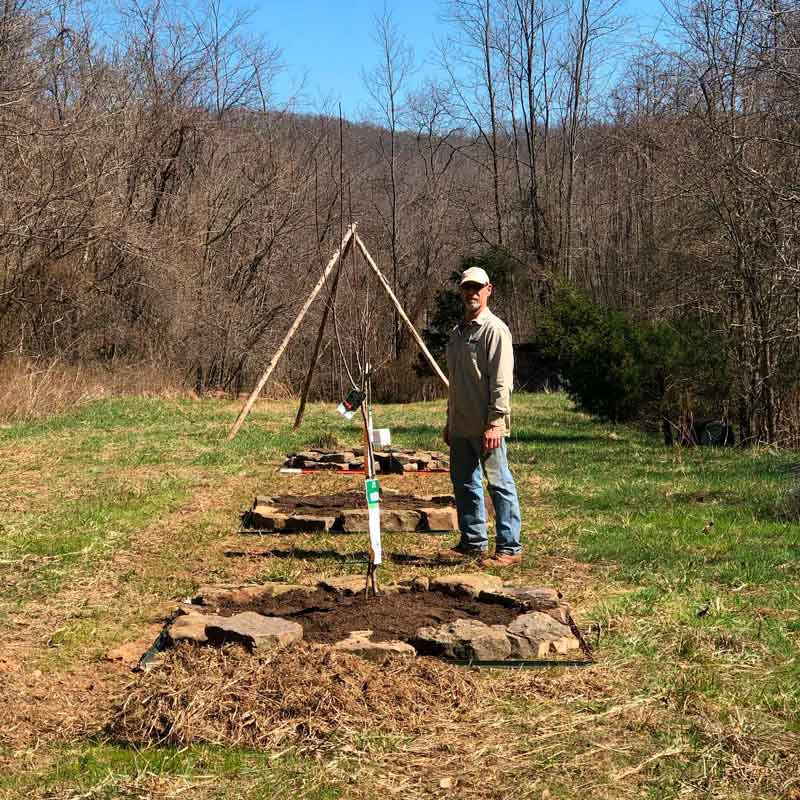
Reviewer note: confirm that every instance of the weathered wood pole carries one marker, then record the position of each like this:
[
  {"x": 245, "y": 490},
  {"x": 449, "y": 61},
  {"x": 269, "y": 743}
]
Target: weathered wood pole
[
  {"x": 315, "y": 355},
  {"x": 417, "y": 338},
  {"x": 340, "y": 253}
]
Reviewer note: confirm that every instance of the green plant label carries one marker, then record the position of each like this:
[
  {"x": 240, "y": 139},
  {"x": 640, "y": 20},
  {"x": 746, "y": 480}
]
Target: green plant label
[{"x": 373, "y": 492}]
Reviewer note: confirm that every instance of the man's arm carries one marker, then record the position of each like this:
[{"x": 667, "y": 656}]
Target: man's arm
[{"x": 500, "y": 361}]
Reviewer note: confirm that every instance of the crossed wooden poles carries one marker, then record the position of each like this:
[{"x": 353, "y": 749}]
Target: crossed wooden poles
[{"x": 347, "y": 242}]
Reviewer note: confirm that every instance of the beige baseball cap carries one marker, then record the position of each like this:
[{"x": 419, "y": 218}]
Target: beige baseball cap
[{"x": 474, "y": 275}]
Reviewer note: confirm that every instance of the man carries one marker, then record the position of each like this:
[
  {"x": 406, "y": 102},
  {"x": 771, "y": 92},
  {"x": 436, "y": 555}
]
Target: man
[{"x": 480, "y": 362}]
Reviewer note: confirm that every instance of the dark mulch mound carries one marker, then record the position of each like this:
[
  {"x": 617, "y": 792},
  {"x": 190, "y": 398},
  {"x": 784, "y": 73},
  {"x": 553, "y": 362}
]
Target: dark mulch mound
[
  {"x": 328, "y": 617},
  {"x": 334, "y": 503}
]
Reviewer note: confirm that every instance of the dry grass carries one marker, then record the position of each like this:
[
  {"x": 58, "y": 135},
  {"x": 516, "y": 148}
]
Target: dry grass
[
  {"x": 203, "y": 695},
  {"x": 35, "y": 390}
]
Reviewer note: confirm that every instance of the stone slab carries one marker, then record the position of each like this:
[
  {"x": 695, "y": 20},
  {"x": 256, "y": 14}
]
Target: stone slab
[
  {"x": 359, "y": 643},
  {"x": 191, "y": 627},
  {"x": 265, "y": 519},
  {"x": 466, "y": 584},
  {"x": 464, "y": 639},
  {"x": 536, "y": 635},
  {"x": 354, "y": 520},
  {"x": 439, "y": 519},
  {"x": 337, "y": 458},
  {"x": 254, "y": 630},
  {"x": 241, "y": 593}
]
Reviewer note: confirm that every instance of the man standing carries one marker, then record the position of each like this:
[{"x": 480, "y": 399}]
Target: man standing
[{"x": 480, "y": 361}]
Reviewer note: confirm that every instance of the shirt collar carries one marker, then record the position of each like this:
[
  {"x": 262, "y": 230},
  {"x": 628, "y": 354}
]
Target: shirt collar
[{"x": 479, "y": 320}]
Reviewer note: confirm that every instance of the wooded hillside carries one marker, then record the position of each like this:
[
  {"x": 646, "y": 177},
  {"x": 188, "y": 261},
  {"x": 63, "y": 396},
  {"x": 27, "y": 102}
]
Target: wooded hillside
[{"x": 159, "y": 205}]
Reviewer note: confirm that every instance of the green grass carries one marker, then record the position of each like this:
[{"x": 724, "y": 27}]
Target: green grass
[
  {"x": 678, "y": 561},
  {"x": 103, "y": 770}
]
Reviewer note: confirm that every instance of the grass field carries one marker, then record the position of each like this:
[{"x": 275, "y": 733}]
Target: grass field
[{"x": 677, "y": 562}]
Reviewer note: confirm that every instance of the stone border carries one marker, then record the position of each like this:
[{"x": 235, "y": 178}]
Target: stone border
[
  {"x": 395, "y": 461},
  {"x": 430, "y": 516},
  {"x": 543, "y": 628}
]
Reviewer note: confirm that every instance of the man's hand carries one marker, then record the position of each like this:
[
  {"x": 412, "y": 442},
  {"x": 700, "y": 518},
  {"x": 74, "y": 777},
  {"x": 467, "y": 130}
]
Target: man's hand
[
  {"x": 491, "y": 439},
  {"x": 446, "y": 435}
]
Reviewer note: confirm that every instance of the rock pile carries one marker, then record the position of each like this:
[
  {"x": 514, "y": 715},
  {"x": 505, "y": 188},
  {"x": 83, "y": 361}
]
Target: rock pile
[{"x": 392, "y": 461}]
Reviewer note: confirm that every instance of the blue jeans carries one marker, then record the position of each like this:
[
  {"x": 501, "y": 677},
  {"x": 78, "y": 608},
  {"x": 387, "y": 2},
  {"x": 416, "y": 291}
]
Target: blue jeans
[{"x": 467, "y": 461}]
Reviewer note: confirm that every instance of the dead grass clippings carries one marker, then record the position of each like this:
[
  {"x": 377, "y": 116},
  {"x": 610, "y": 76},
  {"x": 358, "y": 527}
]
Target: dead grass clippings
[{"x": 305, "y": 692}]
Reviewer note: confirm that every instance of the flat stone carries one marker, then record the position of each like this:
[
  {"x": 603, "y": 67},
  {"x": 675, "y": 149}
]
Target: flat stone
[
  {"x": 536, "y": 634},
  {"x": 191, "y": 627},
  {"x": 414, "y": 467},
  {"x": 272, "y": 521},
  {"x": 241, "y": 593},
  {"x": 423, "y": 457},
  {"x": 307, "y": 455},
  {"x": 400, "y": 520},
  {"x": 542, "y": 599},
  {"x": 537, "y": 595},
  {"x": 348, "y": 585},
  {"x": 359, "y": 643},
  {"x": 421, "y": 584},
  {"x": 464, "y": 639},
  {"x": 467, "y": 584},
  {"x": 336, "y": 458},
  {"x": 439, "y": 519},
  {"x": 353, "y": 520},
  {"x": 254, "y": 630}
]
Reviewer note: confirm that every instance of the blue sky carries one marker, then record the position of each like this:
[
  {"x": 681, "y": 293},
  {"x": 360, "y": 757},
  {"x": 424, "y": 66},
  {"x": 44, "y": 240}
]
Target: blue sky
[{"x": 326, "y": 45}]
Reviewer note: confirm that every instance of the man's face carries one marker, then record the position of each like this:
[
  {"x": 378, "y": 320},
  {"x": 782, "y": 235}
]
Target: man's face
[{"x": 475, "y": 297}]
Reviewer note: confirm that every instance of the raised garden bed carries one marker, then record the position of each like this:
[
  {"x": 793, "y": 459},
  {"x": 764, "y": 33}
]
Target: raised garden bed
[
  {"x": 473, "y": 617},
  {"x": 347, "y": 513},
  {"x": 393, "y": 461}
]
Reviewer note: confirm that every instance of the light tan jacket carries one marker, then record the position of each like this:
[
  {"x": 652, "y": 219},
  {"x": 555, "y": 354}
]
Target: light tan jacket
[{"x": 480, "y": 363}]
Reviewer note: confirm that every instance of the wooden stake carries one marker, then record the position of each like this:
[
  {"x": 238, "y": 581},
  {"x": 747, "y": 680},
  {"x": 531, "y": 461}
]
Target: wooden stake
[
  {"x": 340, "y": 253},
  {"x": 417, "y": 338},
  {"x": 315, "y": 356}
]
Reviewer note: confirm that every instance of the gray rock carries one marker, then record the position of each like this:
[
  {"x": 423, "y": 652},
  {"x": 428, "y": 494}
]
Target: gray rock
[
  {"x": 541, "y": 599},
  {"x": 191, "y": 627},
  {"x": 267, "y": 519},
  {"x": 439, "y": 519},
  {"x": 464, "y": 639},
  {"x": 336, "y": 458},
  {"x": 241, "y": 592},
  {"x": 421, "y": 584},
  {"x": 359, "y": 643},
  {"x": 536, "y": 634},
  {"x": 467, "y": 584},
  {"x": 254, "y": 630},
  {"x": 391, "y": 520}
]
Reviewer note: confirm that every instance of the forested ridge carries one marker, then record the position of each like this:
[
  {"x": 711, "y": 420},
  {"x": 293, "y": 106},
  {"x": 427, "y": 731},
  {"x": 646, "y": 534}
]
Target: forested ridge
[{"x": 160, "y": 205}]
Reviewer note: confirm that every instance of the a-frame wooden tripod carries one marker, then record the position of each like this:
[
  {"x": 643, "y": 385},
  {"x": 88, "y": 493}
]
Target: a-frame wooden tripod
[{"x": 349, "y": 237}]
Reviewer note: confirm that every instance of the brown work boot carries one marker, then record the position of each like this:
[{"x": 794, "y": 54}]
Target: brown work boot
[
  {"x": 502, "y": 560},
  {"x": 460, "y": 553}
]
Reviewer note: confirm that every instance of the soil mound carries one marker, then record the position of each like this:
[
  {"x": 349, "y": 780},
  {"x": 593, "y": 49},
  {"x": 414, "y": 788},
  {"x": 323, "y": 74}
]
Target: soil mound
[
  {"x": 328, "y": 617},
  {"x": 230, "y": 697}
]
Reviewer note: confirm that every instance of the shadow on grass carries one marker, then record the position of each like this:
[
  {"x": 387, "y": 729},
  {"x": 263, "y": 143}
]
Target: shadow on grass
[{"x": 333, "y": 555}]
